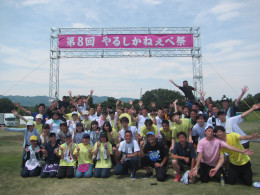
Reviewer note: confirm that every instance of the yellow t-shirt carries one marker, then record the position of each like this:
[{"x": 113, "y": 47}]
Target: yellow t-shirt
[
  {"x": 83, "y": 157},
  {"x": 69, "y": 162},
  {"x": 69, "y": 116},
  {"x": 38, "y": 127},
  {"x": 144, "y": 130},
  {"x": 102, "y": 163},
  {"x": 185, "y": 126},
  {"x": 167, "y": 134},
  {"x": 236, "y": 158}
]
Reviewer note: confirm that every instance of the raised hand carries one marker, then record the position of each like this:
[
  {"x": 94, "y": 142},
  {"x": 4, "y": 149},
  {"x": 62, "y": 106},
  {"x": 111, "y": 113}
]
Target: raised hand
[
  {"x": 70, "y": 92},
  {"x": 131, "y": 102},
  {"x": 244, "y": 89},
  {"x": 16, "y": 104},
  {"x": 256, "y": 106},
  {"x": 153, "y": 104},
  {"x": 171, "y": 80},
  {"x": 140, "y": 103},
  {"x": 14, "y": 112},
  {"x": 91, "y": 91}
]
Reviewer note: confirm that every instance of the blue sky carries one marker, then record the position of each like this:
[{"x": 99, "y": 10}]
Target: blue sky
[{"x": 230, "y": 42}]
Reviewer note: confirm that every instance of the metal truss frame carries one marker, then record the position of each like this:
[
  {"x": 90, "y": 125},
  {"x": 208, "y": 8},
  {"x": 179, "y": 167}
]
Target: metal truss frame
[{"x": 56, "y": 53}]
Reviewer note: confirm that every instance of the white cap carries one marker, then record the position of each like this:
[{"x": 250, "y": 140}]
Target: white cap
[
  {"x": 29, "y": 123},
  {"x": 85, "y": 112},
  {"x": 74, "y": 113},
  {"x": 39, "y": 116}
]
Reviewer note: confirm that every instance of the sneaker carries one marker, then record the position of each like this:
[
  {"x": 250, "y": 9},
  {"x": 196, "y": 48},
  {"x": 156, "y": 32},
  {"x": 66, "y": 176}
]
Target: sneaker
[
  {"x": 133, "y": 177},
  {"x": 147, "y": 175},
  {"x": 177, "y": 178}
]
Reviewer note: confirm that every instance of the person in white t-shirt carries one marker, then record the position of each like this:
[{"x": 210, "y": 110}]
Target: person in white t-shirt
[
  {"x": 128, "y": 151},
  {"x": 232, "y": 124}
]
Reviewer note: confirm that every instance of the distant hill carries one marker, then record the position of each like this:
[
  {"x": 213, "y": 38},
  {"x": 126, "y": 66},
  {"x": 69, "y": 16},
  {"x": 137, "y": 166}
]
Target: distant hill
[{"x": 33, "y": 100}]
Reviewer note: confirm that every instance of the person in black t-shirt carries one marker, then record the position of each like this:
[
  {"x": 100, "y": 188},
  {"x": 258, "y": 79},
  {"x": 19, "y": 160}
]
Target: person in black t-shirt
[
  {"x": 183, "y": 156},
  {"x": 154, "y": 154},
  {"x": 187, "y": 90}
]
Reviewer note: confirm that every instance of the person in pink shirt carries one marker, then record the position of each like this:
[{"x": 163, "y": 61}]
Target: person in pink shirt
[{"x": 209, "y": 158}]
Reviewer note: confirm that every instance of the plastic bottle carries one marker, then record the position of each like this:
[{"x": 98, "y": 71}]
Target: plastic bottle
[{"x": 222, "y": 181}]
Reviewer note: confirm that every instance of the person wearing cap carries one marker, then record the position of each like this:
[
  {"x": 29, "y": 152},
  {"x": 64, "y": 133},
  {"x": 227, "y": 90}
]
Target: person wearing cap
[
  {"x": 102, "y": 151},
  {"x": 86, "y": 121},
  {"x": 128, "y": 153},
  {"x": 41, "y": 109},
  {"x": 183, "y": 155},
  {"x": 33, "y": 159},
  {"x": 52, "y": 160},
  {"x": 232, "y": 124},
  {"x": 78, "y": 133},
  {"x": 180, "y": 125},
  {"x": 67, "y": 159},
  {"x": 239, "y": 164},
  {"x": 72, "y": 123},
  {"x": 63, "y": 132},
  {"x": 45, "y": 134},
  {"x": 210, "y": 158},
  {"x": 54, "y": 122},
  {"x": 231, "y": 110},
  {"x": 84, "y": 155},
  {"x": 154, "y": 154}
]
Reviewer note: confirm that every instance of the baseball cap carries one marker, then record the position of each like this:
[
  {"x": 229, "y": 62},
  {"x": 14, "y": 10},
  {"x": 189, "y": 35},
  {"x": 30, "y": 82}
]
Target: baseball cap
[
  {"x": 29, "y": 123},
  {"x": 39, "y": 116},
  {"x": 85, "y": 112},
  {"x": 150, "y": 133},
  {"x": 33, "y": 137},
  {"x": 208, "y": 126}
]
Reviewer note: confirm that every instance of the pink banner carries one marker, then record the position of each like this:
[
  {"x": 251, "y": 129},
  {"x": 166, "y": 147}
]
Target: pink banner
[{"x": 126, "y": 41}]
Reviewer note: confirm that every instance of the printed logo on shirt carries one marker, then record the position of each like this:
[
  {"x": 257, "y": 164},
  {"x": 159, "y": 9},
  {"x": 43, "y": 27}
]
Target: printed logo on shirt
[{"x": 154, "y": 155}]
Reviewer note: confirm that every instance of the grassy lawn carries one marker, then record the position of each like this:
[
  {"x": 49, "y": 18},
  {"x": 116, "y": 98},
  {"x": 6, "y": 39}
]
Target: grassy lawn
[{"x": 11, "y": 182}]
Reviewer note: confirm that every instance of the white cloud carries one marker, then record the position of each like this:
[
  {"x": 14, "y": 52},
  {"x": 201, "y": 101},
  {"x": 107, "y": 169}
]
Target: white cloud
[
  {"x": 227, "y": 11},
  {"x": 153, "y": 2},
  {"x": 80, "y": 25},
  {"x": 34, "y": 2}
]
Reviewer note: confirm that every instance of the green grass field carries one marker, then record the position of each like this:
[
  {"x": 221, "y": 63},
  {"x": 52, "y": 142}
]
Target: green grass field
[{"x": 12, "y": 183}]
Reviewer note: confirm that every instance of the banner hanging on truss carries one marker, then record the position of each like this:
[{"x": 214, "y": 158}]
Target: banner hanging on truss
[{"x": 126, "y": 41}]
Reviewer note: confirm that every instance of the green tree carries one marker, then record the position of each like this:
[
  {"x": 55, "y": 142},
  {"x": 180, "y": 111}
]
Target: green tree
[
  {"x": 161, "y": 97},
  {"x": 6, "y": 105}
]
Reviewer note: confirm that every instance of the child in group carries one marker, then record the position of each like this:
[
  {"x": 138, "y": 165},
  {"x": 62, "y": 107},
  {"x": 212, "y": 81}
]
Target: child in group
[
  {"x": 63, "y": 132},
  {"x": 78, "y": 133},
  {"x": 45, "y": 135},
  {"x": 94, "y": 133},
  {"x": 33, "y": 159},
  {"x": 84, "y": 156},
  {"x": 54, "y": 122},
  {"x": 50, "y": 152},
  {"x": 103, "y": 151},
  {"x": 67, "y": 160}
]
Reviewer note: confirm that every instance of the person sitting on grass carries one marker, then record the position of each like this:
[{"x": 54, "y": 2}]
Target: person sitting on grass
[
  {"x": 67, "y": 160},
  {"x": 128, "y": 150},
  {"x": 154, "y": 154},
  {"x": 210, "y": 158},
  {"x": 33, "y": 159},
  {"x": 183, "y": 155},
  {"x": 52, "y": 160},
  {"x": 103, "y": 151},
  {"x": 239, "y": 164},
  {"x": 84, "y": 155}
]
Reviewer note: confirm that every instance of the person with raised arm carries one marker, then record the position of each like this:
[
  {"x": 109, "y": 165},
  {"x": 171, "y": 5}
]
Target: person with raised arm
[
  {"x": 41, "y": 109},
  {"x": 187, "y": 90}
]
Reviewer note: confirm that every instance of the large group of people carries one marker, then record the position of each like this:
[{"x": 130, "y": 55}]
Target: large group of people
[{"x": 198, "y": 139}]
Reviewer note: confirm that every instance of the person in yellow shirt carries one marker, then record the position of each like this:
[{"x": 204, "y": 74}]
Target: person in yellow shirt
[
  {"x": 67, "y": 160},
  {"x": 149, "y": 127},
  {"x": 180, "y": 125},
  {"x": 240, "y": 166},
  {"x": 166, "y": 132},
  {"x": 103, "y": 151},
  {"x": 84, "y": 155}
]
